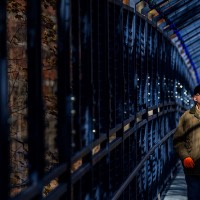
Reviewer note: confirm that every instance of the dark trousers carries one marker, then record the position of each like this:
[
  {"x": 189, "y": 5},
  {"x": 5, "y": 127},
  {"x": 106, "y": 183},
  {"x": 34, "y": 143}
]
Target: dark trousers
[{"x": 193, "y": 187}]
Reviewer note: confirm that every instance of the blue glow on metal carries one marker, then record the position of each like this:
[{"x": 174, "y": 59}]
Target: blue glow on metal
[
  {"x": 186, "y": 51},
  {"x": 152, "y": 5}
]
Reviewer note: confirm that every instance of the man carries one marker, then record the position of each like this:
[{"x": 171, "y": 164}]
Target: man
[{"x": 186, "y": 142}]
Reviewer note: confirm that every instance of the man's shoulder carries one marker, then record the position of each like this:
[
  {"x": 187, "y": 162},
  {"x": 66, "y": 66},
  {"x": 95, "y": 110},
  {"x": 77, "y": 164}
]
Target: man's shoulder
[{"x": 187, "y": 113}]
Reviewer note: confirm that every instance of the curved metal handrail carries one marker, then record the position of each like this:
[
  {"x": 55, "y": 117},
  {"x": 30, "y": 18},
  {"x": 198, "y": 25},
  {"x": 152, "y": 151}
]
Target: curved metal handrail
[{"x": 135, "y": 171}]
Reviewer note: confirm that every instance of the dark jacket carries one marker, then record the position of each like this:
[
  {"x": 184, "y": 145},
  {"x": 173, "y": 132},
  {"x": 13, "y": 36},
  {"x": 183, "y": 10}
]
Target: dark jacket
[{"x": 186, "y": 139}]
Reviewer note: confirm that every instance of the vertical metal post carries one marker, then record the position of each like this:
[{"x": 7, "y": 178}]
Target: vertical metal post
[
  {"x": 64, "y": 91},
  {"x": 76, "y": 73},
  {"x": 35, "y": 101},
  {"x": 4, "y": 127}
]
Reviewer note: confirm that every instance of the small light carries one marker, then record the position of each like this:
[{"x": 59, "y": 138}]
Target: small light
[{"x": 73, "y": 112}]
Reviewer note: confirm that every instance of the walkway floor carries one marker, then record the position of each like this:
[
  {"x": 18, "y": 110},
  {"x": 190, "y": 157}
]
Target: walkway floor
[{"x": 177, "y": 189}]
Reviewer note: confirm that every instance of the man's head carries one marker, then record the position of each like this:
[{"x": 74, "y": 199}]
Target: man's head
[
  {"x": 196, "y": 90},
  {"x": 196, "y": 94}
]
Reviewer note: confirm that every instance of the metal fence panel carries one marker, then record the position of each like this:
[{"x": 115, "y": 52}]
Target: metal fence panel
[{"x": 117, "y": 104}]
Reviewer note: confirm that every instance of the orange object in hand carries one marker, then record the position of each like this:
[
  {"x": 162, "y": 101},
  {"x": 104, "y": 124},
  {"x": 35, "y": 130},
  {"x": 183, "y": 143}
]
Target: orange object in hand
[{"x": 188, "y": 162}]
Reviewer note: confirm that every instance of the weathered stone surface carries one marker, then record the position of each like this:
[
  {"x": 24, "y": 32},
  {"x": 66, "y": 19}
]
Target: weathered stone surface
[{"x": 17, "y": 73}]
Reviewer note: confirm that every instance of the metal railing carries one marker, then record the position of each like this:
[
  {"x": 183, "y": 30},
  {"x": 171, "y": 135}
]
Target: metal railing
[{"x": 117, "y": 104}]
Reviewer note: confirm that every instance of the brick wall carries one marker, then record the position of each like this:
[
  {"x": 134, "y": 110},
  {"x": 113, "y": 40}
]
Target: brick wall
[{"x": 17, "y": 73}]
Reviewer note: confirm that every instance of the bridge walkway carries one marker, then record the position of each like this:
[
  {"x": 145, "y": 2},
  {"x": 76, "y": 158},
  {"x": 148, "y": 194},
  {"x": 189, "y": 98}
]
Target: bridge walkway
[{"x": 176, "y": 189}]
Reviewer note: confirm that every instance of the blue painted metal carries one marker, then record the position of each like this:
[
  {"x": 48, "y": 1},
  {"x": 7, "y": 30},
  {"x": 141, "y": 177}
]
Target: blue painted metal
[
  {"x": 118, "y": 104},
  {"x": 170, "y": 22},
  {"x": 64, "y": 95},
  {"x": 187, "y": 52},
  {"x": 35, "y": 101}
]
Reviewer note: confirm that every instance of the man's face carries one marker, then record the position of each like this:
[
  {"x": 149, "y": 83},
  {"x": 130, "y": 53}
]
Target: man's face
[{"x": 196, "y": 98}]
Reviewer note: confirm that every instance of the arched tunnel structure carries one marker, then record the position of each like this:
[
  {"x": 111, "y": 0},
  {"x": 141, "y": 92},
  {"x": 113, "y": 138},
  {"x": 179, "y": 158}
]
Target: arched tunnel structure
[{"x": 125, "y": 72}]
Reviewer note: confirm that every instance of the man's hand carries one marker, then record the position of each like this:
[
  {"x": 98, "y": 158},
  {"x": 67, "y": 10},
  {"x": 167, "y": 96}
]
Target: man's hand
[{"x": 188, "y": 162}]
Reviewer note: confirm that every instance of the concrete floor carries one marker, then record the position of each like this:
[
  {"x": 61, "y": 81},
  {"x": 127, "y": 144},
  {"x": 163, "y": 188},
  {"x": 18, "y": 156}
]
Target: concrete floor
[{"x": 177, "y": 189}]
